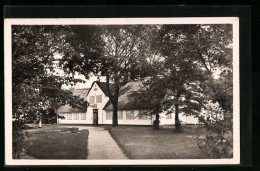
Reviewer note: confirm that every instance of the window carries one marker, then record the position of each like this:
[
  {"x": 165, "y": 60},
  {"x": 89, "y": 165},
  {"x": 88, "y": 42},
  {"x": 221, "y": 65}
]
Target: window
[
  {"x": 99, "y": 99},
  {"x": 69, "y": 116},
  {"x": 95, "y": 89},
  {"x": 143, "y": 115},
  {"x": 83, "y": 116},
  {"x": 169, "y": 116},
  {"x": 76, "y": 116},
  {"x": 91, "y": 99},
  {"x": 109, "y": 115},
  {"x": 130, "y": 114},
  {"x": 120, "y": 115}
]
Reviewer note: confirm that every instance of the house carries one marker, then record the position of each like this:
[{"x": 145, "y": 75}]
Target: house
[
  {"x": 130, "y": 112},
  {"x": 73, "y": 115}
]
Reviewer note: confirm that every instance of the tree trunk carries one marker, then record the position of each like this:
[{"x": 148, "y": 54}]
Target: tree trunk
[
  {"x": 115, "y": 118},
  {"x": 40, "y": 122},
  {"x": 156, "y": 122},
  {"x": 114, "y": 100},
  {"x": 115, "y": 107},
  {"x": 177, "y": 121}
]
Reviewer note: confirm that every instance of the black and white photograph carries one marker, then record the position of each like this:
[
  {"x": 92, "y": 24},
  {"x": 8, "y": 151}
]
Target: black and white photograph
[{"x": 122, "y": 91}]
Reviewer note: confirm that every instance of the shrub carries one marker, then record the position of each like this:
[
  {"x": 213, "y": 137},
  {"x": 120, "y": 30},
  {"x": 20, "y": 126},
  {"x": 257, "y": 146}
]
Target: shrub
[
  {"x": 18, "y": 136},
  {"x": 49, "y": 116},
  {"x": 218, "y": 141},
  {"x": 216, "y": 146}
]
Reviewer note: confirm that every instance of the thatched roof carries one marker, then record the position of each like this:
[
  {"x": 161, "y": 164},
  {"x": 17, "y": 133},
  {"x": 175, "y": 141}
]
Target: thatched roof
[
  {"x": 125, "y": 100},
  {"x": 82, "y": 93},
  {"x": 69, "y": 109}
]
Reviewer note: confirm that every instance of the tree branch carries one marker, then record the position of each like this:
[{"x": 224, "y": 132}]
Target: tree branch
[{"x": 204, "y": 63}]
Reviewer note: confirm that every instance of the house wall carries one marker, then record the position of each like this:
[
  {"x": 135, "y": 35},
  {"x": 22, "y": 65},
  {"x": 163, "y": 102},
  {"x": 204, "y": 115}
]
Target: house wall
[
  {"x": 69, "y": 118},
  {"x": 164, "y": 120},
  {"x": 125, "y": 121},
  {"x": 183, "y": 118},
  {"x": 96, "y": 91}
]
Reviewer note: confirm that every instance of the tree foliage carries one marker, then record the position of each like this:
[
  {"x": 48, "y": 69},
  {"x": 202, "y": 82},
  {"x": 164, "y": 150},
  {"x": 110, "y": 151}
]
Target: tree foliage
[
  {"x": 190, "y": 55},
  {"x": 176, "y": 63},
  {"x": 203, "y": 51},
  {"x": 118, "y": 53},
  {"x": 35, "y": 86},
  {"x": 124, "y": 55}
]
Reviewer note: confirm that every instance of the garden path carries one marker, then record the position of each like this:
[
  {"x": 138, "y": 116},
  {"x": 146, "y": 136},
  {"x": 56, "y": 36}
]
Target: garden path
[{"x": 101, "y": 145}]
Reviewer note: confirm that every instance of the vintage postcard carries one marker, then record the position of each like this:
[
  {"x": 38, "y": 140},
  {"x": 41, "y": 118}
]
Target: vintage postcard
[{"x": 122, "y": 91}]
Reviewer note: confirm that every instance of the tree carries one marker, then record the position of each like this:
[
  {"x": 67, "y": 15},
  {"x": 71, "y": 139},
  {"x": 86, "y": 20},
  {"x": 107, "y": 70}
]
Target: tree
[
  {"x": 35, "y": 86},
  {"x": 219, "y": 134},
  {"x": 176, "y": 86},
  {"x": 190, "y": 55},
  {"x": 209, "y": 45},
  {"x": 125, "y": 54},
  {"x": 118, "y": 53},
  {"x": 215, "y": 54}
]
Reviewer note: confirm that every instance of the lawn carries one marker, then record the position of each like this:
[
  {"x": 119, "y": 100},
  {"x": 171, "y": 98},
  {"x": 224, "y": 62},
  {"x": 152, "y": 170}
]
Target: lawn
[
  {"x": 56, "y": 142},
  {"x": 142, "y": 142}
]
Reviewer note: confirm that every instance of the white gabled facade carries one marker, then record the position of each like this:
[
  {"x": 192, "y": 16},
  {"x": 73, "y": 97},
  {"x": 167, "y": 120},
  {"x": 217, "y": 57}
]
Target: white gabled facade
[{"x": 98, "y": 99}]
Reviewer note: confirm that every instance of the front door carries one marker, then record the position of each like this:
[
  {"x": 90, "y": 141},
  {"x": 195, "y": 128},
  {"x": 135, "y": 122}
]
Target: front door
[{"x": 95, "y": 117}]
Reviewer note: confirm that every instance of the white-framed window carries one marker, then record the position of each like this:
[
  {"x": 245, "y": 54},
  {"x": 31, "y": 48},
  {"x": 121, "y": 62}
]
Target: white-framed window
[
  {"x": 169, "y": 116},
  {"x": 69, "y": 116},
  {"x": 142, "y": 115},
  {"x": 109, "y": 115},
  {"x": 83, "y": 116},
  {"x": 76, "y": 116},
  {"x": 120, "y": 115},
  {"x": 91, "y": 99},
  {"x": 130, "y": 114},
  {"x": 99, "y": 99}
]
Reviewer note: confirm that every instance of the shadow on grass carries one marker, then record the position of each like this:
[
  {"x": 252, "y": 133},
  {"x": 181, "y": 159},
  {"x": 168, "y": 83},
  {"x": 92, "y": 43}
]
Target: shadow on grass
[
  {"x": 56, "y": 142},
  {"x": 139, "y": 142}
]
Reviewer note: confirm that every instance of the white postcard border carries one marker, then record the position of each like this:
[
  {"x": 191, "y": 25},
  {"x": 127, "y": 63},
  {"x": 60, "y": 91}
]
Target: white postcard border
[{"x": 112, "y": 21}]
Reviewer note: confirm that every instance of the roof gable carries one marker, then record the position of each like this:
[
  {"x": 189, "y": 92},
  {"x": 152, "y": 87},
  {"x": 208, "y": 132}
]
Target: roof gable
[{"x": 103, "y": 87}]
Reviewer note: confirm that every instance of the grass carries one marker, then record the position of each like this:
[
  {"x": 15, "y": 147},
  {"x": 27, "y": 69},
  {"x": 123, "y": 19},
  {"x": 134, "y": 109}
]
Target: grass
[
  {"x": 139, "y": 142},
  {"x": 55, "y": 142}
]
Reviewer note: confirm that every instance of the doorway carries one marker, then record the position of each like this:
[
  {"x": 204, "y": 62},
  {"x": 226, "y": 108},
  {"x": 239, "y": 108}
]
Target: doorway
[{"x": 95, "y": 117}]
